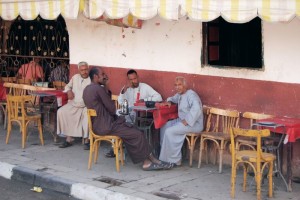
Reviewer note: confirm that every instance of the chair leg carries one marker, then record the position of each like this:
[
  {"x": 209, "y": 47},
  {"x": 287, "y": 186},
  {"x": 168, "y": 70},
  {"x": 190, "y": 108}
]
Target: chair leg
[
  {"x": 24, "y": 135},
  {"x": 91, "y": 154},
  {"x": 200, "y": 151},
  {"x": 8, "y": 131},
  {"x": 270, "y": 176},
  {"x": 191, "y": 147},
  {"x": 258, "y": 185},
  {"x": 245, "y": 171},
  {"x": 233, "y": 180},
  {"x": 41, "y": 132},
  {"x": 221, "y": 149},
  {"x": 96, "y": 153},
  {"x": 116, "y": 150}
]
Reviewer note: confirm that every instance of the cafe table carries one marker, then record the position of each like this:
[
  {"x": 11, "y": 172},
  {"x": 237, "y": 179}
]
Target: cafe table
[{"x": 290, "y": 128}]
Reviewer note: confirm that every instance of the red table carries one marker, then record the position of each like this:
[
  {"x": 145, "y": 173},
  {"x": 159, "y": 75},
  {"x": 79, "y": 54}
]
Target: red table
[
  {"x": 291, "y": 127},
  {"x": 161, "y": 113},
  {"x": 2, "y": 92}
]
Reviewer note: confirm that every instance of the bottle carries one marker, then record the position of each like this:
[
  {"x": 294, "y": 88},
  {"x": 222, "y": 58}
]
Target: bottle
[{"x": 125, "y": 107}]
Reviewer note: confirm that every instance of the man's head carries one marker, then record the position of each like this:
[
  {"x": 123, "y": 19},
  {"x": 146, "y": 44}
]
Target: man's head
[
  {"x": 83, "y": 68},
  {"x": 133, "y": 78},
  {"x": 98, "y": 76},
  {"x": 36, "y": 60},
  {"x": 180, "y": 84}
]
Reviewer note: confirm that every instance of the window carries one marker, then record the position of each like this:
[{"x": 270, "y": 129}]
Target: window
[{"x": 232, "y": 45}]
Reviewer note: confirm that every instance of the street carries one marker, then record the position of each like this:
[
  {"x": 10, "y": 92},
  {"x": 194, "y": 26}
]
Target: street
[{"x": 15, "y": 190}]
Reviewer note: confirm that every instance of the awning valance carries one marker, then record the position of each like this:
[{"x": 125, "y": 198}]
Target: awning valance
[
  {"x": 47, "y": 9},
  {"x": 236, "y": 11}
]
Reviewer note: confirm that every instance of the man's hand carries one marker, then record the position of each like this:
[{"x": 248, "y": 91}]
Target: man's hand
[
  {"x": 184, "y": 122},
  {"x": 124, "y": 89},
  {"x": 70, "y": 95},
  {"x": 168, "y": 103}
]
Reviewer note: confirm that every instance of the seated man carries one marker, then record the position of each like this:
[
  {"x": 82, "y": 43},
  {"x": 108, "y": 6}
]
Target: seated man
[
  {"x": 60, "y": 73},
  {"x": 190, "y": 119},
  {"x": 72, "y": 117},
  {"x": 32, "y": 70},
  {"x": 96, "y": 96},
  {"x": 135, "y": 91}
]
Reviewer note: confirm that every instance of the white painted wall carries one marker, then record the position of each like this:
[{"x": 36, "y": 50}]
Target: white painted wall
[{"x": 176, "y": 46}]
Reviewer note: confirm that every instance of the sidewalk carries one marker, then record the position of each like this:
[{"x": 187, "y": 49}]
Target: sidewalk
[{"x": 65, "y": 170}]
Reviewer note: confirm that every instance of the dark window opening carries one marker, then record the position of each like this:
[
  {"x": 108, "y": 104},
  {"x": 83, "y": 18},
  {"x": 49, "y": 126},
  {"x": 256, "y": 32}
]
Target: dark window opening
[{"x": 232, "y": 45}]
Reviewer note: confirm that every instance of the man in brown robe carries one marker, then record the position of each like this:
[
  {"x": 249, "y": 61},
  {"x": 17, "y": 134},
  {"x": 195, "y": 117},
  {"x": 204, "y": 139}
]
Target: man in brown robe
[{"x": 96, "y": 96}]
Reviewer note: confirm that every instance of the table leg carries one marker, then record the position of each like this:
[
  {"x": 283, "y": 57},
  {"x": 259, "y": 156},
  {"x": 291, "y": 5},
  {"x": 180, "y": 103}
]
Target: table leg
[{"x": 289, "y": 166}]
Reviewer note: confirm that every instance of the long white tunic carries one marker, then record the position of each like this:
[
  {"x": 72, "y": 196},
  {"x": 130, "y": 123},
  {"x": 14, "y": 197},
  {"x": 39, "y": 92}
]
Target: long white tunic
[
  {"x": 72, "y": 117},
  {"x": 172, "y": 135},
  {"x": 147, "y": 93}
]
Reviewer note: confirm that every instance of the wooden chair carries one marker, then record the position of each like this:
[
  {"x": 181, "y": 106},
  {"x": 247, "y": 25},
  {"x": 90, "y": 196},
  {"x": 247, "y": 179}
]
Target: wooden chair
[
  {"x": 253, "y": 117},
  {"x": 17, "y": 113},
  {"x": 24, "y": 81},
  {"x": 192, "y": 138},
  {"x": 59, "y": 85},
  {"x": 115, "y": 99},
  {"x": 255, "y": 159},
  {"x": 8, "y": 79},
  {"x": 219, "y": 123},
  {"x": 95, "y": 141}
]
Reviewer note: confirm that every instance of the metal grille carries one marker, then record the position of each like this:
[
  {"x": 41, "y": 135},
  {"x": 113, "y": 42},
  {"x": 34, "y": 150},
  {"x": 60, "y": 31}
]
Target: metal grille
[{"x": 21, "y": 41}]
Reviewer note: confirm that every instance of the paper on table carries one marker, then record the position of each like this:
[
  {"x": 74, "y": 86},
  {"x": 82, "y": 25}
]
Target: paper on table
[{"x": 59, "y": 101}]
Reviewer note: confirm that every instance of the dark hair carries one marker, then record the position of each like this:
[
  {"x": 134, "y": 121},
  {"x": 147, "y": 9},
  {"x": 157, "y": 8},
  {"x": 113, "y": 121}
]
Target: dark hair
[
  {"x": 93, "y": 71},
  {"x": 131, "y": 71}
]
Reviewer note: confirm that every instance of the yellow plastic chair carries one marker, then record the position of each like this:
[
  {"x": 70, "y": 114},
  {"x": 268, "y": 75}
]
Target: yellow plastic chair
[
  {"x": 59, "y": 85},
  {"x": 192, "y": 138},
  {"x": 17, "y": 112},
  {"x": 218, "y": 125},
  {"x": 95, "y": 141},
  {"x": 252, "y": 117},
  {"x": 256, "y": 159}
]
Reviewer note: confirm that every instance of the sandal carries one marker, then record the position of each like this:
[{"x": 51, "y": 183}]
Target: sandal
[
  {"x": 154, "y": 166},
  {"x": 65, "y": 144},
  {"x": 110, "y": 154}
]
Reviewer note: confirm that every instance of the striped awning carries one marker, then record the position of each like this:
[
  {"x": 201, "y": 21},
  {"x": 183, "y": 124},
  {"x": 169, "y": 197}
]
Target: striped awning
[
  {"x": 236, "y": 11},
  {"x": 30, "y": 9}
]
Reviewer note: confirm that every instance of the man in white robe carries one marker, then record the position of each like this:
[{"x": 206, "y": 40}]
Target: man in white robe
[
  {"x": 190, "y": 119},
  {"x": 135, "y": 91},
  {"x": 72, "y": 117}
]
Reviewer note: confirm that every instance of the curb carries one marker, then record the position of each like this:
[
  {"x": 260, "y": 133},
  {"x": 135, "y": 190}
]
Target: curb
[{"x": 58, "y": 184}]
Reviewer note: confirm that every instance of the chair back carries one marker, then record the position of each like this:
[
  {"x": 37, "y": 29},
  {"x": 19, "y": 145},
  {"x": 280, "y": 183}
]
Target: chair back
[
  {"x": 250, "y": 133},
  {"x": 8, "y": 79},
  {"x": 24, "y": 81},
  {"x": 16, "y": 106},
  {"x": 205, "y": 117},
  {"x": 220, "y": 120},
  {"x": 91, "y": 113},
  {"x": 59, "y": 85},
  {"x": 115, "y": 99},
  {"x": 252, "y": 116}
]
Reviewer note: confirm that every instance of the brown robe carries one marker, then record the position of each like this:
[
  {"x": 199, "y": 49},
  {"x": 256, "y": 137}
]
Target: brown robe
[{"x": 98, "y": 98}]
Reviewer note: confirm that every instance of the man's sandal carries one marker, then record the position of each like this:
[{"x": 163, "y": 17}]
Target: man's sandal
[
  {"x": 154, "y": 166},
  {"x": 65, "y": 144}
]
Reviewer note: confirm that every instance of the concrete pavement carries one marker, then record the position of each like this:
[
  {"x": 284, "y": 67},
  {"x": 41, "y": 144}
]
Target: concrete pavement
[{"x": 65, "y": 170}]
